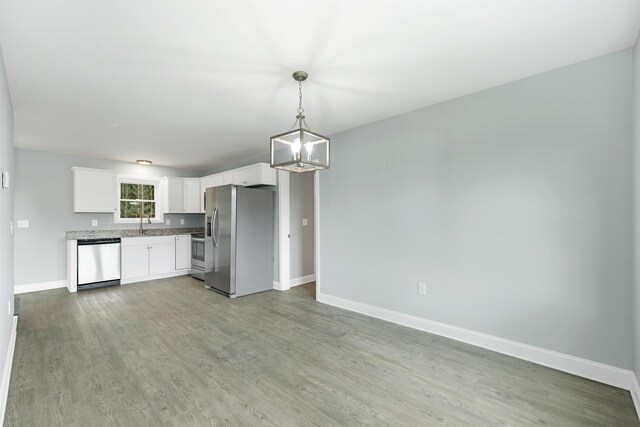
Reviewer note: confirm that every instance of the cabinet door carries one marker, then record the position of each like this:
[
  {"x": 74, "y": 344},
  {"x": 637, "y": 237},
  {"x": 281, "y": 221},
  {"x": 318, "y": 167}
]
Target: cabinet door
[
  {"x": 94, "y": 190},
  {"x": 162, "y": 258},
  {"x": 174, "y": 195},
  {"x": 183, "y": 252},
  {"x": 246, "y": 176},
  {"x": 135, "y": 261},
  {"x": 268, "y": 175},
  {"x": 191, "y": 195}
]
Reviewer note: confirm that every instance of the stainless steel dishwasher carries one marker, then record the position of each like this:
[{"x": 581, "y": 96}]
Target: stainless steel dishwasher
[{"x": 98, "y": 263}]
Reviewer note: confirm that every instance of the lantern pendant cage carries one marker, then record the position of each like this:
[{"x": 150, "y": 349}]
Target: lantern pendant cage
[{"x": 299, "y": 149}]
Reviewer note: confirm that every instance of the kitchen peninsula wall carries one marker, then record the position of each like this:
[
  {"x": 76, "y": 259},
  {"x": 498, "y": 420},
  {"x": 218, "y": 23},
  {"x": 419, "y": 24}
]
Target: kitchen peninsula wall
[{"x": 44, "y": 196}]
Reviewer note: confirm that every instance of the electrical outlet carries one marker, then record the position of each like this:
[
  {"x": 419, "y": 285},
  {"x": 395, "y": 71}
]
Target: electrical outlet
[
  {"x": 23, "y": 223},
  {"x": 94, "y": 222},
  {"x": 167, "y": 222},
  {"x": 305, "y": 222},
  {"x": 422, "y": 288},
  {"x": 182, "y": 221}
]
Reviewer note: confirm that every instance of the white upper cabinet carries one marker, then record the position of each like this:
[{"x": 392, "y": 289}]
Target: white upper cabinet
[
  {"x": 182, "y": 195},
  {"x": 191, "y": 195},
  {"x": 173, "y": 195},
  {"x": 258, "y": 174},
  {"x": 94, "y": 190}
]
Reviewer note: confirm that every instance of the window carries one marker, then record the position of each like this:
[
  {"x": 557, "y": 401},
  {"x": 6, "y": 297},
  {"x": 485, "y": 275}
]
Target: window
[{"x": 138, "y": 198}]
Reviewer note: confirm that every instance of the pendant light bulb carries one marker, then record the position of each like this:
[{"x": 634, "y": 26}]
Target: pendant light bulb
[
  {"x": 308, "y": 146},
  {"x": 295, "y": 147}
]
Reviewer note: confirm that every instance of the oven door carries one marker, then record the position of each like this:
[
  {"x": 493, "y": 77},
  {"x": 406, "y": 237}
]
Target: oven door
[{"x": 197, "y": 253}]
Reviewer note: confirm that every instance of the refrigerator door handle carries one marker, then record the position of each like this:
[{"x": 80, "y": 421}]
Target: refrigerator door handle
[{"x": 214, "y": 233}]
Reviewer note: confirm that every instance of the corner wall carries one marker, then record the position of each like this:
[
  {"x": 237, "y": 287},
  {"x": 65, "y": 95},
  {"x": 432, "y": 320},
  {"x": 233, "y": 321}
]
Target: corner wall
[
  {"x": 514, "y": 205},
  {"x": 636, "y": 138},
  {"x": 6, "y": 217}
]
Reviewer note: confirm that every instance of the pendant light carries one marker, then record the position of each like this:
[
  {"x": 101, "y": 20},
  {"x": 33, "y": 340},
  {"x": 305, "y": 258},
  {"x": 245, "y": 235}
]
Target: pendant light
[{"x": 299, "y": 149}]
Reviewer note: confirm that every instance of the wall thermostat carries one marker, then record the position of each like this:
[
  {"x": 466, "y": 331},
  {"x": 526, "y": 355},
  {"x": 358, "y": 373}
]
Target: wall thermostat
[{"x": 5, "y": 179}]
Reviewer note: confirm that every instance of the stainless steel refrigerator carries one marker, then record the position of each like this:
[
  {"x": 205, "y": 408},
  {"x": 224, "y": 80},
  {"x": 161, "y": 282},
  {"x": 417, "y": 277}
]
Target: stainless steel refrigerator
[{"x": 238, "y": 240}]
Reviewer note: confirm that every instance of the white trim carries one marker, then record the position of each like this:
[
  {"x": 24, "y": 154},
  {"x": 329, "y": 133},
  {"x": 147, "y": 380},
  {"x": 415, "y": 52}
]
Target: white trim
[
  {"x": 635, "y": 395},
  {"x": 276, "y": 286},
  {"x": 155, "y": 277},
  {"x": 284, "y": 227},
  {"x": 316, "y": 229},
  {"x": 42, "y": 286},
  {"x": 596, "y": 371},
  {"x": 8, "y": 362},
  {"x": 302, "y": 280},
  {"x": 72, "y": 265}
]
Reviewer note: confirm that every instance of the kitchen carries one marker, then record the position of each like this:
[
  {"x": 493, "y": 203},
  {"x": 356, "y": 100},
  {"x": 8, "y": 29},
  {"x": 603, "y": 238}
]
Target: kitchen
[{"x": 180, "y": 206}]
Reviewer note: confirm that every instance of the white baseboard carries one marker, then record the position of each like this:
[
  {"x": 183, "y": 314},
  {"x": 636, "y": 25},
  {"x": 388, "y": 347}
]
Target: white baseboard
[
  {"x": 302, "y": 280},
  {"x": 635, "y": 394},
  {"x": 6, "y": 374},
  {"x": 42, "y": 286},
  {"x": 596, "y": 371}
]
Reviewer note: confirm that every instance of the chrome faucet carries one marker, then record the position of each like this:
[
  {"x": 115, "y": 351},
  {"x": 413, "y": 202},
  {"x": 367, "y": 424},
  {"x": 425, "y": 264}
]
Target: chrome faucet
[{"x": 141, "y": 218}]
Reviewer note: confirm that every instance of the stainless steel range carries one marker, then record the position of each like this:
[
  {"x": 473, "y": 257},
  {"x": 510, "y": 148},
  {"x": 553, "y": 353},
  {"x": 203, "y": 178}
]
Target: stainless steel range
[{"x": 197, "y": 255}]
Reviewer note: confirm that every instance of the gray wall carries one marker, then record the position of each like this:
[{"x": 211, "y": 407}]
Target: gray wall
[
  {"x": 514, "y": 205},
  {"x": 301, "y": 206},
  {"x": 6, "y": 214},
  {"x": 44, "y": 196},
  {"x": 636, "y": 135}
]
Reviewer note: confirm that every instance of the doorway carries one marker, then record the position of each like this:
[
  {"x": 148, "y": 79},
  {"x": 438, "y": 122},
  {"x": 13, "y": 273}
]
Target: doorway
[{"x": 297, "y": 206}]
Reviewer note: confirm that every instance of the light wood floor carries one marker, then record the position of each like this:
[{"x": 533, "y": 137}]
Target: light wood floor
[{"x": 171, "y": 353}]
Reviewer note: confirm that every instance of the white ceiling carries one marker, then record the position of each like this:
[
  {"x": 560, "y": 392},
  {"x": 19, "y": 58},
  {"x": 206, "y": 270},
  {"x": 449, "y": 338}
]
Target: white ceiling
[{"x": 196, "y": 83}]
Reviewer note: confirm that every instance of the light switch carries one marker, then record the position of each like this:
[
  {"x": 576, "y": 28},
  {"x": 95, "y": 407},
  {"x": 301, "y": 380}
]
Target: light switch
[
  {"x": 94, "y": 222},
  {"x": 5, "y": 180},
  {"x": 23, "y": 223},
  {"x": 305, "y": 222}
]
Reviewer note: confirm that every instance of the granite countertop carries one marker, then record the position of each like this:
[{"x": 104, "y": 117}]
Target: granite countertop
[{"x": 130, "y": 232}]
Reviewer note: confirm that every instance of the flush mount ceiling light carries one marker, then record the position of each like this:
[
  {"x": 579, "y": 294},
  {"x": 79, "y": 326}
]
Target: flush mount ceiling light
[
  {"x": 299, "y": 149},
  {"x": 143, "y": 162}
]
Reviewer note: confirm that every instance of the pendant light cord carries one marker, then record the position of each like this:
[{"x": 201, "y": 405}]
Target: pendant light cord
[
  {"x": 300, "y": 119},
  {"x": 300, "y": 109}
]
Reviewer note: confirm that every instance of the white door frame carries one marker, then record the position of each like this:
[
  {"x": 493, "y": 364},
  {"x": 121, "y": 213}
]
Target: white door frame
[
  {"x": 316, "y": 228},
  {"x": 284, "y": 231}
]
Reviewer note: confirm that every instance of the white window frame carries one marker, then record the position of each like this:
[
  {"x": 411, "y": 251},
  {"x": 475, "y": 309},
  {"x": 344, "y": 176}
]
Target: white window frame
[{"x": 158, "y": 199}]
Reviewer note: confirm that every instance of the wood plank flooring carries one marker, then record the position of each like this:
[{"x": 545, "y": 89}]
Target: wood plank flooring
[{"x": 171, "y": 353}]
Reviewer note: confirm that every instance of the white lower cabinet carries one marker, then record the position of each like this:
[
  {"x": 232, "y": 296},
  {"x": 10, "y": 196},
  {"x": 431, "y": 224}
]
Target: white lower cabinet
[
  {"x": 145, "y": 258},
  {"x": 134, "y": 261},
  {"x": 183, "y": 252}
]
